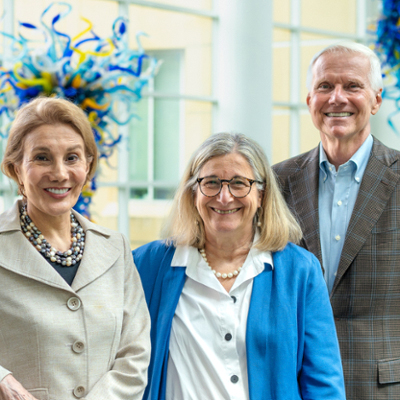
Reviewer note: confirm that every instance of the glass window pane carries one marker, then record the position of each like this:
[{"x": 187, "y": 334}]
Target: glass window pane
[
  {"x": 197, "y": 128},
  {"x": 166, "y": 137},
  {"x": 104, "y": 207},
  {"x": 282, "y": 11},
  {"x": 309, "y": 135},
  {"x": 139, "y": 141},
  {"x": 339, "y": 16},
  {"x": 281, "y": 135},
  {"x": 311, "y": 44},
  {"x": 281, "y": 65},
  {"x": 172, "y": 30},
  {"x": 146, "y": 220}
]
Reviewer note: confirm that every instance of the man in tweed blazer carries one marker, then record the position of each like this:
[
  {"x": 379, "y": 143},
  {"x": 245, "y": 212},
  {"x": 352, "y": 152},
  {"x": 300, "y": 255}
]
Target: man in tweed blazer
[{"x": 346, "y": 196}]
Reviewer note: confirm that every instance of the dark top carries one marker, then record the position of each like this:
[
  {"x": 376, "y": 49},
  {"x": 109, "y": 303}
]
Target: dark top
[{"x": 67, "y": 273}]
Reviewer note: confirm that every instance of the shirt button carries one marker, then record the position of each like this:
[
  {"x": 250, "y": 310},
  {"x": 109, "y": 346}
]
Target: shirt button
[
  {"x": 234, "y": 379},
  {"x": 357, "y": 179},
  {"x": 78, "y": 347},
  {"x": 337, "y": 238},
  {"x": 228, "y": 337},
  {"x": 79, "y": 391},
  {"x": 73, "y": 303},
  {"x": 234, "y": 299},
  {"x": 339, "y": 203}
]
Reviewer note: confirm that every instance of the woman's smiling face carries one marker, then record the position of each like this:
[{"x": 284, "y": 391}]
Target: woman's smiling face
[
  {"x": 53, "y": 171},
  {"x": 225, "y": 213}
]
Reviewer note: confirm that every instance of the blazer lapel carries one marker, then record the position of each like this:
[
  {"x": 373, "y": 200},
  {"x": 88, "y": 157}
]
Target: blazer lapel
[
  {"x": 377, "y": 186},
  {"x": 303, "y": 187},
  {"x": 20, "y": 257},
  {"x": 99, "y": 255},
  {"x": 23, "y": 259}
]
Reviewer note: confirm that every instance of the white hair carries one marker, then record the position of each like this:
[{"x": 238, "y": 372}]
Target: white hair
[{"x": 375, "y": 73}]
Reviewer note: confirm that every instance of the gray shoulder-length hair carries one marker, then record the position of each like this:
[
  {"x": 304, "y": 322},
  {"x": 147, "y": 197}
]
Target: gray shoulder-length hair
[{"x": 184, "y": 225}]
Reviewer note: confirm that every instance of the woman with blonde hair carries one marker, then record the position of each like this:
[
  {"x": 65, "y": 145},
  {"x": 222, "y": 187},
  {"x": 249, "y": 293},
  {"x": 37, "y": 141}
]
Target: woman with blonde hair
[{"x": 238, "y": 311}]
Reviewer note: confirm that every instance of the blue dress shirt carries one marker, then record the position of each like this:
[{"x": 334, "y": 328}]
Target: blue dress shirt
[{"x": 337, "y": 194}]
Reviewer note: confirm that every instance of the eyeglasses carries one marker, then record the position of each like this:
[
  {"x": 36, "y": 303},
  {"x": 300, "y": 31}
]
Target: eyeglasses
[{"x": 238, "y": 186}]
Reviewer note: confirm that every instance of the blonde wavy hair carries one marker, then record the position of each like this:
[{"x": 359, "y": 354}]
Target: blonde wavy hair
[{"x": 184, "y": 225}]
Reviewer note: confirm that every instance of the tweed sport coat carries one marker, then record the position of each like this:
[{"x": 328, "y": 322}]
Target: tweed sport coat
[
  {"x": 90, "y": 340},
  {"x": 366, "y": 293}
]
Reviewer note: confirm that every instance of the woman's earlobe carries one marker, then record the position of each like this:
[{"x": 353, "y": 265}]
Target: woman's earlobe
[{"x": 18, "y": 174}]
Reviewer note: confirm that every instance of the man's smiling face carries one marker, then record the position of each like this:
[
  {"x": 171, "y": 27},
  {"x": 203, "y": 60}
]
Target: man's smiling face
[{"x": 341, "y": 99}]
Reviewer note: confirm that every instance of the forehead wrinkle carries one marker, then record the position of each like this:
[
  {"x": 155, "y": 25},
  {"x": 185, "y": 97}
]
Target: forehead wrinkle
[
  {"x": 45, "y": 148},
  {"x": 332, "y": 69}
]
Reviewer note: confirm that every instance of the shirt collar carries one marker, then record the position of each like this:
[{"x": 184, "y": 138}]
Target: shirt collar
[
  {"x": 188, "y": 255},
  {"x": 359, "y": 158}
]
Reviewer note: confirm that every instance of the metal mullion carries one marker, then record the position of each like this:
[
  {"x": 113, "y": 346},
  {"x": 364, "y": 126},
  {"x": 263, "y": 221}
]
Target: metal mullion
[
  {"x": 160, "y": 95},
  {"x": 295, "y": 61},
  {"x": 150, "y": 143},
  {"x": 137, "y": 184},
  {"x": 284, "y": 104},
  {"x": 361, "y": 21},
  {"x": 182, "y": 141},
  {"x": 321, "y": 32},
  {"x": 8, "y": 26},
  {"x": 123, "y": 163}
]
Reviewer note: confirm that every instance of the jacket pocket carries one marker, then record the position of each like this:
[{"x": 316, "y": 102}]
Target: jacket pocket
[
  {"x": 389, "y": 371},
  {"x": 40, "y": 394}
]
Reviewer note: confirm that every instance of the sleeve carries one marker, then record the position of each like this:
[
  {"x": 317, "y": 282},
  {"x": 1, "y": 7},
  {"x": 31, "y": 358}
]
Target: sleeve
[
  {"x": 321, "y": 374},
  {"x": 128, "y": 377},
  {"x": 3, "y": 373}
]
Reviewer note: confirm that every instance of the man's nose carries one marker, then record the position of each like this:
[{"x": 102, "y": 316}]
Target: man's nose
[{"x": 338, "y": 96}]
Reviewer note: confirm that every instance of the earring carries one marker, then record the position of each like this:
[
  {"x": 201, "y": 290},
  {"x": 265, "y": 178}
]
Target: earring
[
  {"x": 258, "y": 217},
  {"x": 22, "y": 190}
]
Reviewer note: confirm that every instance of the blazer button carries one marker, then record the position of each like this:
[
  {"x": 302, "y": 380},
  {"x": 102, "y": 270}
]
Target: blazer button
[
  {"x": 79, "y": 391},
  {"x": 74, "y": 303},
  {"x": 78, "y": 346}
]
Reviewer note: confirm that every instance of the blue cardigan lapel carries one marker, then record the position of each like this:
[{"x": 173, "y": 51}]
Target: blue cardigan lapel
[
  {"x": 166, "y": 292},
  {"x": 256, "y": 335}
]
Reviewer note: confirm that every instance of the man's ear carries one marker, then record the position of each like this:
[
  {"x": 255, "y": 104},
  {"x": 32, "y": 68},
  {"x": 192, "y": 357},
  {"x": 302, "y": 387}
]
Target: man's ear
[{"x": 378, "y": 102}]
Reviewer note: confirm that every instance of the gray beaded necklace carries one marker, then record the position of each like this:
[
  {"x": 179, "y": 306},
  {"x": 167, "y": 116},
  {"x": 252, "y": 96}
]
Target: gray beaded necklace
[{"x": 65, "y": 259}]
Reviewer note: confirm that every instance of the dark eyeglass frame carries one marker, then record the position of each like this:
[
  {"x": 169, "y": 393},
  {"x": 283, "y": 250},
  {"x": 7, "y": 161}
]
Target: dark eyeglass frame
[{"x": 228, "y": 181}]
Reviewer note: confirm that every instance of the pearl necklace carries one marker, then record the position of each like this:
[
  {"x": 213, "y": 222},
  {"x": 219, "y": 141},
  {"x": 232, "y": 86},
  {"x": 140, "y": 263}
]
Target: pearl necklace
[
  {"x": 67, "y": 258},
  {"x": 218, "y": 274}
]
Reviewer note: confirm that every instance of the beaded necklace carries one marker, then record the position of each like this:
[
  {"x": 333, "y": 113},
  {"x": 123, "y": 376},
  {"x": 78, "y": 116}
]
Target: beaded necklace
[
  {"x": 218, "y": 274},
  {"x": 66, "y": 258}
]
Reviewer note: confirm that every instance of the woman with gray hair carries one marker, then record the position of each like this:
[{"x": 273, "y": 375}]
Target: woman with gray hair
[{"x": 237, "y": 310}]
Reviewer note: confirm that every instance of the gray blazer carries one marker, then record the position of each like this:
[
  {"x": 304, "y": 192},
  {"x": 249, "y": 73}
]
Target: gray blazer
[
  {"x": 90, "y": 340},
  {"x": 366, "y": 294}
]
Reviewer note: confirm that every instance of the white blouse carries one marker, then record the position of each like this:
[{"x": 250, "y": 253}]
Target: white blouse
[{"x": 207, "y": 348}]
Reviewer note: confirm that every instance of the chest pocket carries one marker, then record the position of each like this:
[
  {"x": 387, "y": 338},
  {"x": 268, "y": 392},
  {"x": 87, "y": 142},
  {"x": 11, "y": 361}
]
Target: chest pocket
[{"x": 39, "y": 394}]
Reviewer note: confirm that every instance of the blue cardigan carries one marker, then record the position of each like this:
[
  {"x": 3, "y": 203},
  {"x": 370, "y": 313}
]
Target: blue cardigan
[{"x": 291, "y": 343}]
